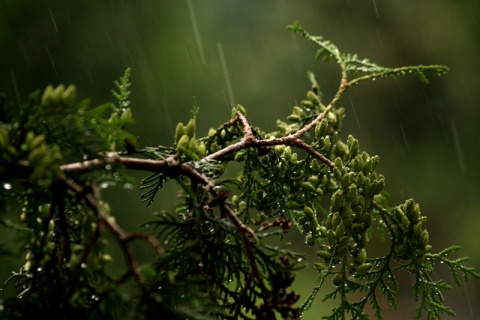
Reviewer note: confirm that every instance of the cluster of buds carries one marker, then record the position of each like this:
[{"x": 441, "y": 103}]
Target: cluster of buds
[
  {"x": 60, "y": 95},
  {"x": 409, "y": 234},
  {"x": 7, "y": 150},
  {"x": 43, "y": 159},
  {"x": 186, "y": 142},
  {"x": 37, "y": 254},
  {"x": 345, "y": 229},
  {"x": 307, "y": 111}
]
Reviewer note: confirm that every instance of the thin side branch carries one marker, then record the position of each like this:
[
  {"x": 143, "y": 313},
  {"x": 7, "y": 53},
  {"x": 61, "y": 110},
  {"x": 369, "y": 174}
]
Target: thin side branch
[{"x": 93, "y": 201}]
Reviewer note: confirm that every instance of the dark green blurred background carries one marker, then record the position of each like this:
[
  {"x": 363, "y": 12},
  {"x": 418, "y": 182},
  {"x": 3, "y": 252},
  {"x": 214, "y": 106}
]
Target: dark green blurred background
[{"x": 225, "y": 51}]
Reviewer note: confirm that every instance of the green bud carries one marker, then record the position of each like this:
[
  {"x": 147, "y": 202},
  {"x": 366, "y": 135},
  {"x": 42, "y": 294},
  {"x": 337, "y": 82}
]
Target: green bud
[
  {"x": 292, "y": 205},
  {"x": 331, "y": 237},
  {"x": 423, "y": 251},
  {"x": 362, "y": 256},
  {"x": 33, "y": 142},
  {"x": 279, "y": 148},
  {"x": 320, "y": 266},
  {"x": 340, "y": 230},
  {"x": 47, "y": 96},
  {"x": 405, "y": 222},
  {"x": 324, "y": 254},
  {"x": 350, "y": 141},
  {"x": 321, "y": 128},
  {"x": 313, "y": 180},
  {"x": 192, "y": 144},
  {"x": 360, "y": 181},
  {"x": 183, "y": 143},
  {"x": 322, "y": 230},
  {"x": 338, "y": 279},
  {"x": 191, "y": 128},
  {"x": 313, "y": 98},
  {"x": 57, "y": 93},
  {"x": 338, "y": 162},
  {"x": 223, "y": 133},
  {"x": 309, "y": 239},
  {"x": 307, "y": 104},
  {"x": 336, "y": 219},
  {"x": 326, "y": 143},
  {"x": 106, "y": 258},
  {"x": 380, "y": 184},
  {"x": 362, "y": 240},
  {"x": 180, "y": 131},
  {"x": 69, "y": 95},
  {"x": 287, "y": 153},
  {"x": 240, "y": 156},
  {"x": 297, "y": 111},
  {"x": 416, "y": 214},
  {"x": 368, "y": 166},
  {"x": 358, "y": 164},
  {"x": 341, "y": 148},
  {"x": 363, "y": 268},
  {"x": 36, "y": 156},
  {"x": 309, "y": 211},
  {"x": 399, "y": 215},
  {"x": 332, "y": 118},
  {"x": 308, "y": 186},
  {"x": 201, "y": 149},
  {"x": 424, "y": 238},
  {"x": 293, "y": 118},
  {"x": 211, "y": 132},
  {"x": 417, "y": 229},
  {"x": 343, "y": 241},
  {"x": 126, "y": 116},
  {"x": 352, "y": 191},
  {"x": 337, "y": 200},
  {"x": 241, "y": 109}
]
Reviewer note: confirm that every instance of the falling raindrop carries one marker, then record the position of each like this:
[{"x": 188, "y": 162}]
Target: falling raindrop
[
  {"x": 52, "y": 62},
  {"x": 354, "y": 111},
  {"x": 7, "y": 186},
  {"x": 226, "y": 75},
  {"x": 458, "y": 147},
  {"x": 404, "y": 137},
  {"x": 196, "y": 32}
]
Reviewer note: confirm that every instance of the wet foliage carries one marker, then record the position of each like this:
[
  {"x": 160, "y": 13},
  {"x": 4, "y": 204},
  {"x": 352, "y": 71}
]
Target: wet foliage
[{"x": 221, "y": 253}]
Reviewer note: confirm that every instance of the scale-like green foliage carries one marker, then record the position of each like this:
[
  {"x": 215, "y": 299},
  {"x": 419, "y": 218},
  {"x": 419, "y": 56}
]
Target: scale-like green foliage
[{"x": 221, "y": 253}]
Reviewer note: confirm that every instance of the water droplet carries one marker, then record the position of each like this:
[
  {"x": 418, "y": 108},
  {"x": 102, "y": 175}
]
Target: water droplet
[
  {"x": 7, "y": 186},
  {"x": 39, "y": 269},
  {"x": 128, "y": 186},
  {"x": 104, "y": 185},
  {"x": 83, "y": 265},
  {"x": 108, "y": 167}
]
